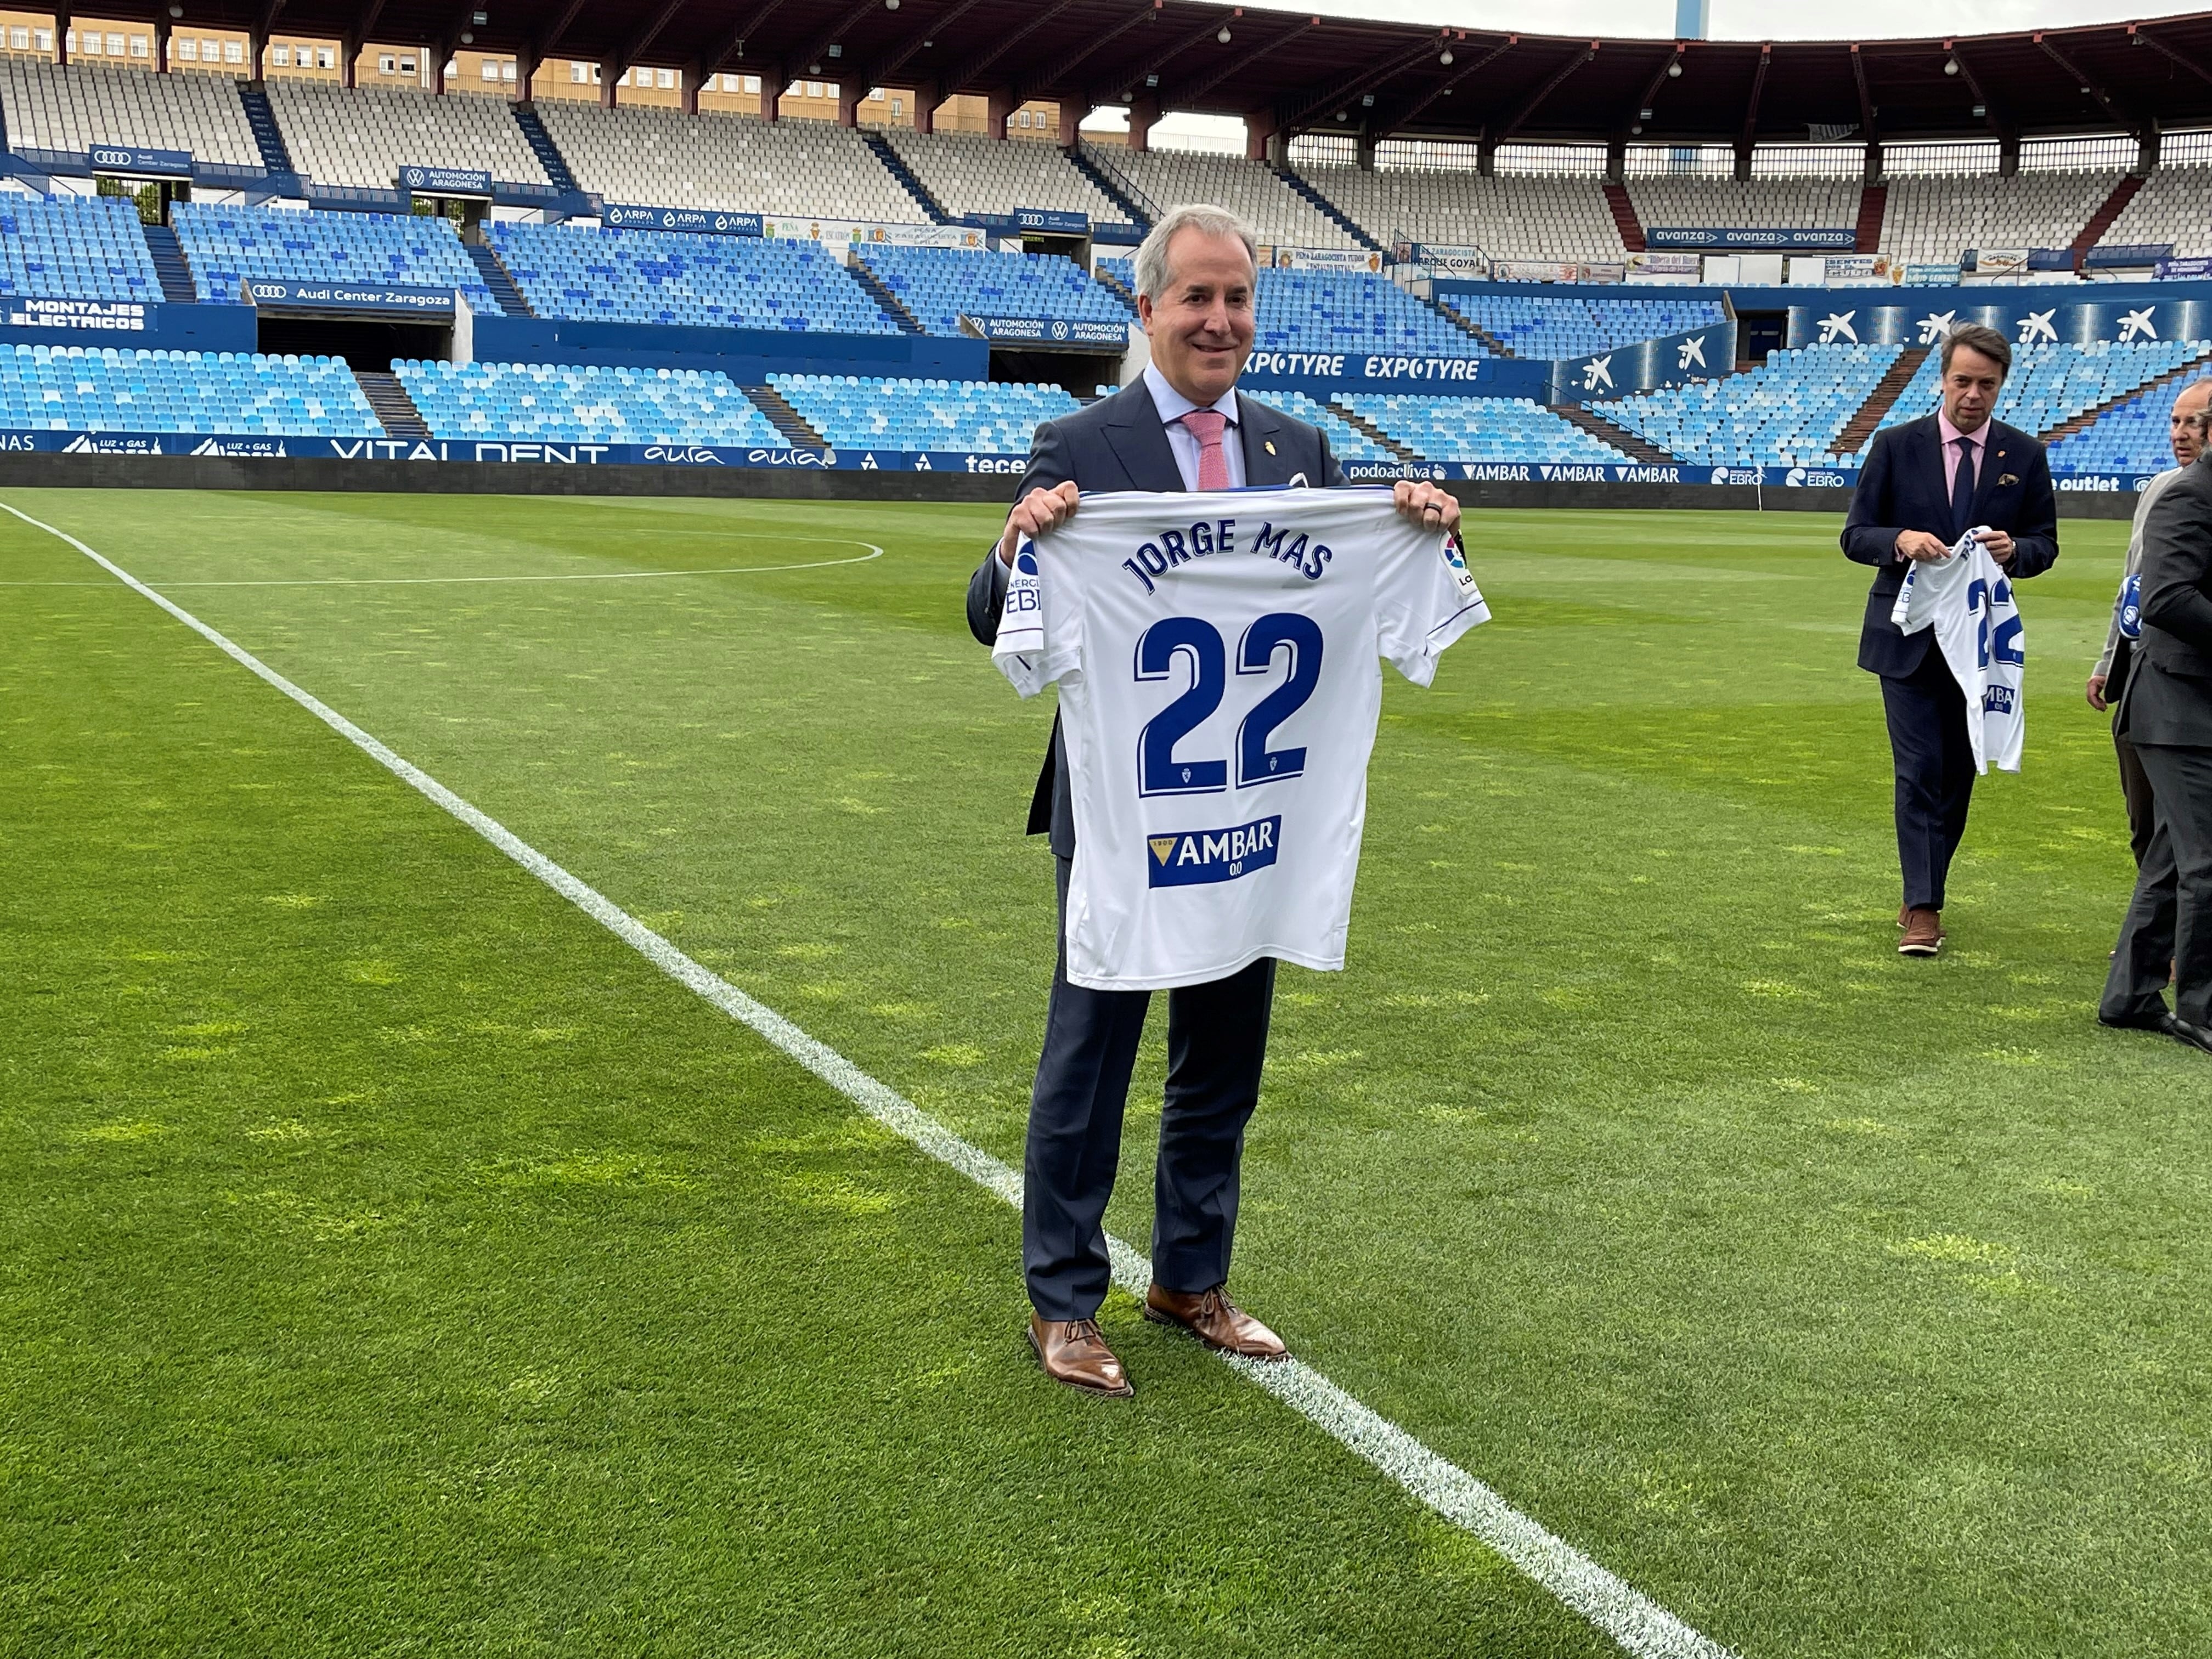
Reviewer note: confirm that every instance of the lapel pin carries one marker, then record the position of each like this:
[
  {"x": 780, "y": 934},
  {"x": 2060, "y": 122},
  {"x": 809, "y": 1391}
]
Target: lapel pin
[{"x": 1270, "y": 442}]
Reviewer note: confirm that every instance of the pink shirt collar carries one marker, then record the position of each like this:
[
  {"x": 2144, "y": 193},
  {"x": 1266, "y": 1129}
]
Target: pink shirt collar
[{"x": 1951, "y": 434}]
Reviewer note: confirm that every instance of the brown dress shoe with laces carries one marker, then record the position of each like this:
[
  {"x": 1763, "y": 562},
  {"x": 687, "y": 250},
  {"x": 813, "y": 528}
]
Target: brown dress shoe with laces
[
  {"x": 1214, "y": 1320},
  {"x": 1072, "y": 1353},
  {"x": 1923, "y": 933}
]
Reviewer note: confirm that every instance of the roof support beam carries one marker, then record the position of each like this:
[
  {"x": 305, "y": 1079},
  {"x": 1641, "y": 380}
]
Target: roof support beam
[
  {"x": 1133, "y": 80},
  {"x": 1751, "y": 106},
  {"x": 1198, "y": 89},
  {"x": 2007, "y": 131},
  {"x": 1534, "y": 101},
  {"x": 2134, "y": 127},
  {"x": 1399, "y": 119},
  {"x": 642, "y": 41},
  {"x": 543, "y": 47},
  {"x": 881, "y": 72},
  {"x": 1659, "y": 78},
  {"x": 973, "y": 69},
  {"x": 725, "y": 45},
  {"x": 1866, "y": 98},
  {"x": 1343, "y": 91},
  {"x": 809, "y": 52},
  {"x": 2145, "y": 38}
]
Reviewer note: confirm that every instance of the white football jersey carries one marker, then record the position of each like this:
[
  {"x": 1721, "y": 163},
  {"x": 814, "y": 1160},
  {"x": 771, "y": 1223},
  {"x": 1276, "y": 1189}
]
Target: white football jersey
[
  {"x": 1968, "y": 599},
  {"x": 1217, "y": 659}
]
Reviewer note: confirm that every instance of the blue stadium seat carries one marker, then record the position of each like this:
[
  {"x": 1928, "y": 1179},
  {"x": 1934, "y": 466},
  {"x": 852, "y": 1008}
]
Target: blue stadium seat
[
  {"x": 114, "y": 389},
  {"x": 676, "y": 279},
  {"x": 1787, "y": 412},
  {"x": 226, "y": 244},
  {"x": 1542, "y": 325},
  {"x": 2051, "y": 384},
  {"x": 983, "y": 417},
  {"x": 1346, "y": 442},
  {"x": 1352, "y": 311},
  {"x": 1489, "y": 429},
  {"x": 566, "y": 403},
  {"x": 940, "y": 285},
  {"x": 74, "y": 247}
]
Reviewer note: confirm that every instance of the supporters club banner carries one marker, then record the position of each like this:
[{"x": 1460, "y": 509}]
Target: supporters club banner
[
  {"x": 1751, "y": 239},
  {"x": 137, "y": 159},
  {"x": 2028, "y": 317},
  {"x": 621, "y": 216},
  {"x": 850, "y": 233},
  {"x": 1446, "y": 261},
  {"x": 1321, "y": 259}
]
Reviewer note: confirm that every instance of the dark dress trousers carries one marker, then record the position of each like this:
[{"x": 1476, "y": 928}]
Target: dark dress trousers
[
  {"x": 2165, "y": 713},
  {"x": 1217, "y": 1032},
  {"x": 1902, "y": 488}
]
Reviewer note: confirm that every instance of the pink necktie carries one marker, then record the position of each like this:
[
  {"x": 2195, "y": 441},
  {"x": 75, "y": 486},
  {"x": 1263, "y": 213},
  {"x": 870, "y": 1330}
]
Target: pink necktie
[{"x": 1204, "y": 425}]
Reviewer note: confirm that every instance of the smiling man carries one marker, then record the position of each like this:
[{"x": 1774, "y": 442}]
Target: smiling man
[
  {"x": 1183, "y": 425},
  {"x": 1925, "y": 485}
]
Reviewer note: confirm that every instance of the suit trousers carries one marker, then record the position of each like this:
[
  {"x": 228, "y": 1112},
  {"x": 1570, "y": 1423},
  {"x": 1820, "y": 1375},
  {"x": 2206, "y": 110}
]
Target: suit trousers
[
  {"x": 2170, "y": 918},
  {"x": 2135, "y": 789},
  {"x": 1935, "y": 763},
  {"x": 1217, "y": 1044}
]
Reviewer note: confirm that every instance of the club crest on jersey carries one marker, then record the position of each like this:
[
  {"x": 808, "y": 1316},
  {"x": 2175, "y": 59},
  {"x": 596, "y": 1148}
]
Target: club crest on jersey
[{"x": 1192, "y": 857}]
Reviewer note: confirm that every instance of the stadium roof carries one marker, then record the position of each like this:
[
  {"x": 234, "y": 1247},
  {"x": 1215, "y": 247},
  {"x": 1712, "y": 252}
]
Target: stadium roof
[{"x": 1303, "y": 72}]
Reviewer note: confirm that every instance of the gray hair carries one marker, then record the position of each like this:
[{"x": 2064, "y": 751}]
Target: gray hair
[{"x": 1153, "y": 252}]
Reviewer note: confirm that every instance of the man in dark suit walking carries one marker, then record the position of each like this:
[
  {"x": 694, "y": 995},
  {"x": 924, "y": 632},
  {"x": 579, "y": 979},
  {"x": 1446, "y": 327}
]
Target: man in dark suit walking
[
  {"x": 1924, "y": 484},
  {"x": 2165, "y": 713},
  {"x": 1182, "y": 426}
]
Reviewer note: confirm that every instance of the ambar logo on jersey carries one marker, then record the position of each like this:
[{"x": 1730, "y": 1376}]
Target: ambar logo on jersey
[{"x": 1193, "y": 856}]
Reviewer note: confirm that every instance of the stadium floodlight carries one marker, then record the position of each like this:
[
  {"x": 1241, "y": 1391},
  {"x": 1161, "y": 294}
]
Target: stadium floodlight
[
  {"x": 1675, "y": 70},
  {"x": 1950, "y": 66},
  {"x": 1445, "y": 57},
  {"x": 176, "y": 11},
  {"x": 1224, "y": 36},
  {"x": 467, "y": 38},
  {"x": 890, "y": 5}
]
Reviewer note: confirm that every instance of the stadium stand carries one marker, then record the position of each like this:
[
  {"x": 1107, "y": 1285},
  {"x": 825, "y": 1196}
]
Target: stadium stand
[
  {"x": 1934, "y": 220},
  {"x": 1478, "y": 429},
  {"x": 2174, "y": 205},
  {"x": 565, "y": 403},
  {"x": 1778, "y": 204},
  {"x": 969, "y": 174},
  {"x": 74, "y": 247},
  {"x": 2130, "y": 437},
  {"x": 1352, "y": 311},
  {"x": 1506, "y": 217},
  {"x": 673, "y": 277},
  {"x": 987, "y": 418},
  {"x": 2050, "y": 384},
  {"x": 111, "y": 389},
  {"x": 1787, "y": 412},
  {"x": 1160, "y": 179},
  {"x": 364, "y": 136},
  {"x": 663, "y": 158},
  {"x": 1346, "y": 442},
  {"x": 72, "y": 108},
  {"x": 226, "y": 244},
  {"x": 938, "y": 285},
  {"x": 1570, "y": 325}
]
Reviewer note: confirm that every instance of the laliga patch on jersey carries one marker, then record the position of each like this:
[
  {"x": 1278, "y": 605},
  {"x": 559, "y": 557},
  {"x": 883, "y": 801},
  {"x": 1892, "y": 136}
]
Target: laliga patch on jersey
[
  {"x": 1463, "y": 578},
  {"x": 1192, "y": 857}
]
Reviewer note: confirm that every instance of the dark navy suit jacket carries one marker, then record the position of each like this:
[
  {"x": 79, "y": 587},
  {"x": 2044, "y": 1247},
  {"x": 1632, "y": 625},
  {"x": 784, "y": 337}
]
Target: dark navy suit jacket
[
  {"x": 1119, "y": 443},
  {"x": 2168, "y": 697},
  {"x": 1901, "y": 488}
]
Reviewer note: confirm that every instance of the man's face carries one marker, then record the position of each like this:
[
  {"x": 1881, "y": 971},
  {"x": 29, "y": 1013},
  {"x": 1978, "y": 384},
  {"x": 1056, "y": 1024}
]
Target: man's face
[
  {"x": 1970, "y": 386},
  {"x": 1201, "y": 323},
  {"x": 2184, "y": 428}
]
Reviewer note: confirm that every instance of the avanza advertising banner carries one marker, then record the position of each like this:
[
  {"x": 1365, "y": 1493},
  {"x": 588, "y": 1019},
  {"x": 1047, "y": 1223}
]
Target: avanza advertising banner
[{"x": 1765, "y": 239}]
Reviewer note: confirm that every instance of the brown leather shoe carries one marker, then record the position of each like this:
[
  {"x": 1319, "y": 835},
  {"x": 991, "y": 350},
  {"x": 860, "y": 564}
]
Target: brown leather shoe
[
  {"x": 1923, "y": 933},
  {"x": 1214, "y": 1320},
  {"x": 1071, "y": 1352}
]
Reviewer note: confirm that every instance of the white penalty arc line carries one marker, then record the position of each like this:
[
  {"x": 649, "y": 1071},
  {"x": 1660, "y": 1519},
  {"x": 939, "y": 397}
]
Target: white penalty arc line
[
  {"x": 873, "y": 552},
  {"x": 1640, "y": 1625}
]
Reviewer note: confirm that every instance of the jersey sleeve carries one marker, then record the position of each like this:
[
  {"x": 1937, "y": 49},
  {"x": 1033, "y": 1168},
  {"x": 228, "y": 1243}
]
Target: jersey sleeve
[
  {"x": 1038, "y": 630},
  {"x": 1425, "y": 598}
]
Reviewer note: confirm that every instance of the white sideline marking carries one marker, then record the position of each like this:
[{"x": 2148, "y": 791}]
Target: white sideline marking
[
  {"x": 873, "y": 552},
  {"x": 1639, "y": 1624}
]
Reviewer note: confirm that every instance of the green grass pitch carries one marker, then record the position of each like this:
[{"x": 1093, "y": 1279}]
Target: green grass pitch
[{"x": 392, "y": 1262}]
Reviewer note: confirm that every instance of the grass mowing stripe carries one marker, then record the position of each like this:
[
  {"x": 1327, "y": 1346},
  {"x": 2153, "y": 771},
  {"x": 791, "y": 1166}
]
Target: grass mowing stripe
[
  {"x": 1631, "y": 1618},
  {"x": 873, "y": 552}
]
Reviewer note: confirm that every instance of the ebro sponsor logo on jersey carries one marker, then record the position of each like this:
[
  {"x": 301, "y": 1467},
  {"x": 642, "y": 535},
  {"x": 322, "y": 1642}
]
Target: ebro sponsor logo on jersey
[{"x": 1194, "y": 857}]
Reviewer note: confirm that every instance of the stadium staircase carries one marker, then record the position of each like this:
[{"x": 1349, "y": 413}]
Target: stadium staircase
[
  {"x": 786, "y": 419},
  {"x": 1624, "y": 217},
  {"x": 1873, "y": 205},
  {"x": 1116, "y": 191},
  {"x": 498, "y": 280},
  {"x": 2074, "y": 423},
  {"x": 395, "y": 409},
  {"x": 1114, "y": 285},
  {"x": 1860, "y": 428},
  {"x": 1472, "y": 329},
  {"x": 885, "y": 300},
  {"x": 1636, "y": 448},
  {"x": 267, "y": 136},
  {"x": 542, "y": 147},
  {"x": 907, "y": 181},
  {"x": 171, "y": 266},
  {"x": 1327, "y": 209},
  {"x": 1361, "y": 424},
  {"x": 2101, "y": 219}
]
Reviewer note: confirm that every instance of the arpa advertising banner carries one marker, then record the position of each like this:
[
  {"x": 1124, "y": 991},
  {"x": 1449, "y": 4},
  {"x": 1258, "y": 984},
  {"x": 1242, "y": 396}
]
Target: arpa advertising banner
[
  {"x": 1049, "y": 331},
  {"x": 77, "y": 316},
  {"x": 704, "y": 221},
  {"x": 446, "y": 181},
  {"x": 283, "y": 294},
  {"x": 136, "y": 159},
  {"x": 2030, "y": 319},
  {"x": 1697, "y": 354},
  {"x": 1768, "y": 238}
]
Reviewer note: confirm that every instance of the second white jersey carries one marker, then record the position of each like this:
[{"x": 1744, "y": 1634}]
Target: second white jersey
[
  {"x": 1968, "y": 599},
  {"x": 1218, "y": 656}
]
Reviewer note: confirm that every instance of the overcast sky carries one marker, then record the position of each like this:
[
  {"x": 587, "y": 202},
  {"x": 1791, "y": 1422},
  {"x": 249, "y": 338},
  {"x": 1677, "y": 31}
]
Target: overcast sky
[{"x": 1736, "y": 19}]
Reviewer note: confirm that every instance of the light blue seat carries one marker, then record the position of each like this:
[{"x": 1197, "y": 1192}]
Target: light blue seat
[
  {"x": 977, "y": 417},
  {"x": 109, "y": 389},
  {"x": 565, "y": 402},
  {"x": 229, "y": 245}
]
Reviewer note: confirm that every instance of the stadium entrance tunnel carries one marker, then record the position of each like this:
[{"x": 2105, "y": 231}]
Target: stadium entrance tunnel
[
  {"x": 1081, "y": 373},
  {"x": 364, "y": 343},
  {"x": 1759, "y": 333}
]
